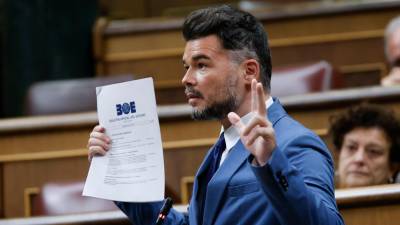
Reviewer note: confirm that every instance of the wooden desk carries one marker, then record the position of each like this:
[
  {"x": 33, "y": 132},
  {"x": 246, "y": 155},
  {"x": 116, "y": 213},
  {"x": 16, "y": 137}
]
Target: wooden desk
[
  {"x": 99, "y": 218},
  {"x": 36, "y": 150},
  {"x": 348, "y": 34},
  {"x": 376, "y": 205}
]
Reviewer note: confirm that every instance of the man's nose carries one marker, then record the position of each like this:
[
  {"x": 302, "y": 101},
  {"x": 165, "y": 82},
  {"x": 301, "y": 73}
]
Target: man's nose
[{"x": 188, "y": 78}]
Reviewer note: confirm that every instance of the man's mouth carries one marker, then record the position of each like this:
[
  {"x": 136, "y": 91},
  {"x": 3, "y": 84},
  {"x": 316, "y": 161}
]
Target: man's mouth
[{"x": 191, "y": 93}]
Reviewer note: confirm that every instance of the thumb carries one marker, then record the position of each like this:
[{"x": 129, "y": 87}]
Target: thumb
[{"x": 235, "y": 121}]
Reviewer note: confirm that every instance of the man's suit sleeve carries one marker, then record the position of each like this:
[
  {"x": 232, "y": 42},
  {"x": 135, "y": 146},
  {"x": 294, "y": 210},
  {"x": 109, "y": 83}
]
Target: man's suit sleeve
[
  {"x": 146, "y": 213},
  {"x": 298, "y": 181}
]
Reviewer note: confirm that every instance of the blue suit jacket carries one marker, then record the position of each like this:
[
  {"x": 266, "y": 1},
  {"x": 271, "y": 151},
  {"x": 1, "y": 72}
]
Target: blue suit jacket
[{"x": 294, "y": 187}]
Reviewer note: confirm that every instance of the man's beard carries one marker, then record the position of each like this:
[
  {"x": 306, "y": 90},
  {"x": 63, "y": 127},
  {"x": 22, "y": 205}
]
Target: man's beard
[{"x": 217, "y": 110}]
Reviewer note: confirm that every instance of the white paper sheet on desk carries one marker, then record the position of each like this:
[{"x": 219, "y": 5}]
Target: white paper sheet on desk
[{"x": 133, "y": 168}]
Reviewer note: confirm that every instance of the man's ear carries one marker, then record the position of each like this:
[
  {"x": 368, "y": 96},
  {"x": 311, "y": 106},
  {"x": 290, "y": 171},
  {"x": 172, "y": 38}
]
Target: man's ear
[{"x": 251, "y": 70}]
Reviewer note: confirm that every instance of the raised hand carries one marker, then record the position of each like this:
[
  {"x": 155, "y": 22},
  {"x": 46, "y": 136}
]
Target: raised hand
[
  {"x": 99, "y": 142},
  {"x": 258, "y": 136}
]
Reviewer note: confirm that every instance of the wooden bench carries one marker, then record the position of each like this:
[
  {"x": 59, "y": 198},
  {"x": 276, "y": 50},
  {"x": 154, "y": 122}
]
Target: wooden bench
[
  {"x": 36, "y": 150},
  {"x": 376, "y": 205}
]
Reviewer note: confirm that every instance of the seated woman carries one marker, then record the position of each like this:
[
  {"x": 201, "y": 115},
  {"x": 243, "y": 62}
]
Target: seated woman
[{"x": 367, "y": 140}]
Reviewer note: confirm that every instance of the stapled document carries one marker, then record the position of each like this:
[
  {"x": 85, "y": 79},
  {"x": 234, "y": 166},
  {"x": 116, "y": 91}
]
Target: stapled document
[{"x": 133, "y": 168}]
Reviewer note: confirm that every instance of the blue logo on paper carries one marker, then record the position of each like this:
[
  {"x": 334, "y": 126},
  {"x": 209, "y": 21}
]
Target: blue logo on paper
[{"x": 126, "y": 108}]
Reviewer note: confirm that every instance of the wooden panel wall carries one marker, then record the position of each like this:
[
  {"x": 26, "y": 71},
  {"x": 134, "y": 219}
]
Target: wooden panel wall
[{"x": 347, "y": 35}]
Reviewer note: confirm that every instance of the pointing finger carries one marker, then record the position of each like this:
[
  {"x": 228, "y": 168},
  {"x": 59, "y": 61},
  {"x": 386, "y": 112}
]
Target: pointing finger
[
  {"x": 261, "y": 100},
  {"x": 254, "y": 95}
]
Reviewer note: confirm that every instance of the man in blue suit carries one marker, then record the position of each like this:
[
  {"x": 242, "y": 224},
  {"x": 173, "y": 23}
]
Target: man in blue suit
[{"x": 266, "y": 168}]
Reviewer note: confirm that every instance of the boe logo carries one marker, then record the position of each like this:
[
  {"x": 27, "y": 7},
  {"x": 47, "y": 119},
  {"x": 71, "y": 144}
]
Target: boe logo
[{"x": 126, "y": 108}]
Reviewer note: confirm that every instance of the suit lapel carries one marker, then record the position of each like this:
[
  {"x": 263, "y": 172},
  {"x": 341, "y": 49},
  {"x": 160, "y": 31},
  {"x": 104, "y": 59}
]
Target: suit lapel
[
  {"x": 218, "y": 183},
  {"x": 216, "y": 187},
  {"x": 276, "y": 111}
]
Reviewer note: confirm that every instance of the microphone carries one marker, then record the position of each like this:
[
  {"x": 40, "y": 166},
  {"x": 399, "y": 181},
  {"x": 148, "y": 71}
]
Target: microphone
[{"x": 164, "y": 211}]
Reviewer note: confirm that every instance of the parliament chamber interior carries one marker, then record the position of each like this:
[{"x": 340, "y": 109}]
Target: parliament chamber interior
[{"x": 327, "y": 55}]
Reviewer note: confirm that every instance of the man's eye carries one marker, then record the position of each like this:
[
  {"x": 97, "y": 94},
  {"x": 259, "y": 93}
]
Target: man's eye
[{"x": 201, "y": 65}]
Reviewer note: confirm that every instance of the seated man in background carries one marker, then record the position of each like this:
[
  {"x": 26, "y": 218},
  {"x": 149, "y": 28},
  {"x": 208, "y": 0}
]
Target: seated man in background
[
  {"x": 367, "y": 139},
  {"x": 392, "y": 51}
]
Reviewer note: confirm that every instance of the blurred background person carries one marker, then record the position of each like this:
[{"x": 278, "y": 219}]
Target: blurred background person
[
  {"x": 392, "y": 51},
  {"x": 366, "y": 140}
]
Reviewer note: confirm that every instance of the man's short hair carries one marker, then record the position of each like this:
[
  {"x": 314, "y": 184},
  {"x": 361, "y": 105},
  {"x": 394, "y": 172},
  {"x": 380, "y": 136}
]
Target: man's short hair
[
  {"x": 238, "y": 31},
  {"x": 367, "y": 116}
]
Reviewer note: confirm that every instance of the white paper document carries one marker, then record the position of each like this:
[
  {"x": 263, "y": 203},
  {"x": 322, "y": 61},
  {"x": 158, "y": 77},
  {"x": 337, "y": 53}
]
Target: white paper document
[{"x": 133, "y": 168}]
